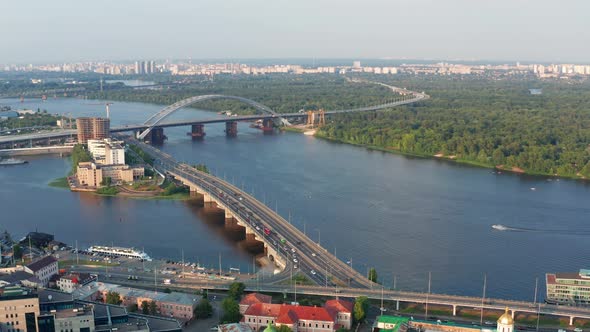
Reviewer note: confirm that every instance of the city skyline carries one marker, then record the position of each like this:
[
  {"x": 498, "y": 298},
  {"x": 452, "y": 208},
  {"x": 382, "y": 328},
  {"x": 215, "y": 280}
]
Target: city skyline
[{"x": 425, "y": 29}]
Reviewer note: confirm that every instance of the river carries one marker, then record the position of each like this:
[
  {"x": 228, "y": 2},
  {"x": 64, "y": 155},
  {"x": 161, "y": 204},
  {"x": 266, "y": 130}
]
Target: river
[{"x": 404, "y": 216}]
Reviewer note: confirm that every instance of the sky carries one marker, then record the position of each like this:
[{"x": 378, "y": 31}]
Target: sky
[{"x": 34, "y": 31}]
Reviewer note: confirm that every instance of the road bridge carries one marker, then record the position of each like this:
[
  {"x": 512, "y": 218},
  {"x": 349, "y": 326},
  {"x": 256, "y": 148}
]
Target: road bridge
[
  {"x": 284, "y": 243},
  {"x": 454, "y": 302},
  {"x": 156, "y": 123}
]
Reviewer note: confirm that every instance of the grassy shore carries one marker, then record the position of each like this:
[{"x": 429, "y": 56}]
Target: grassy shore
[
  {"x": 428, "y": 156},
  {"x": 60, "y": 183},
  {"x": 293, "y": 129}
]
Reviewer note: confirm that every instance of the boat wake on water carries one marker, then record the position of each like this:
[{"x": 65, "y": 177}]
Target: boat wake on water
[{"x": 504, "y": 228}]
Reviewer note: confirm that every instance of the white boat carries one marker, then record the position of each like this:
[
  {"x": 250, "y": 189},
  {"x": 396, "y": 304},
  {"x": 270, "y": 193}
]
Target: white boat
[
  {"x": 12, "y": 161},
  {"x": 500, "y": 227},
  {"x": 120, "y": 251}
]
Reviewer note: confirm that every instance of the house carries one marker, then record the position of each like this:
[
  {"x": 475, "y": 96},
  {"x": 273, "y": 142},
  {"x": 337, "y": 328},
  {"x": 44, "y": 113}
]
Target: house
[
  {"x": 43, "y": 269},
  {"x": 342, "y": 311},
  {"x": 69, "y": 283},
  {"x": 252, "y": 298},
  {"x": 17, "y": 278},
  {"x": 297, "y": 318},
  {"x": 258, "y": 312}
]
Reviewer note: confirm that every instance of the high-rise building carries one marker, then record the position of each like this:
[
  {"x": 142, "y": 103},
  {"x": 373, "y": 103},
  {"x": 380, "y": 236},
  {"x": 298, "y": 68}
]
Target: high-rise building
[
  {"x": 152, "y": 67},
  {"x": 356, "y": 64},
  {"x": 19, "y": 309},
  {"x": 92, "y": 128},
  {"x": 137, "y": 67}
]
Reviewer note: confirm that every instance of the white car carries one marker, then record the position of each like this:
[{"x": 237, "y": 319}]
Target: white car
[
  {"x": 295, "y": 266},
  {"x": 294, "y": 260},
  {"x": 313, "y": 254},
  {"x": 313, "y": 272},
  {"x": 293, "y": 249},
  {"x": 577, "y": 329}
]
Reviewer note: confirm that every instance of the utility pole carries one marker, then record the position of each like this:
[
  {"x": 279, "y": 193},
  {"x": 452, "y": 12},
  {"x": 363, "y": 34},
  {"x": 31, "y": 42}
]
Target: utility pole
[
  {"x": 220, "y": 265},
  {"x": 427, "y": 296},
  {"x": 155, "y": 280},
  {"x": 77, "y": 254},
  {"x": 485, "y": 279},
  {"x": 536, "y": 285},
  {"x": 182, "y": 254}
]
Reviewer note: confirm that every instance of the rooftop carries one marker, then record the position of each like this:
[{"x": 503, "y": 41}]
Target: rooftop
[
  {"x": 339, "y": 306},
  {"x": 15, "y": 277},
  {"x": 235, "y": 327},
  {"x": 255, "y": 298},
  {"x": 173, "y": 297},
  {"x": 289, "y": 314},
  {"x": 41, "y": 263}
]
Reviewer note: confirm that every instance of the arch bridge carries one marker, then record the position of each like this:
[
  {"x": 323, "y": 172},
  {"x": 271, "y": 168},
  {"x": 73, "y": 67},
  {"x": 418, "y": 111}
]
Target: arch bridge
[{"x": 157, "y": 118}]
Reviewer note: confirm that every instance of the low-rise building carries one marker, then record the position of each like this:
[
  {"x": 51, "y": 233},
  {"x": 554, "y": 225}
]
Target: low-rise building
[
  {"x": 69, "y": 283},
  {"x": 43, "y": 269},
  {"x": 342, "y": 312},
  {"x": 252, "y": 298},
  {"x": 92, "y": 175},
  {"x": 174, "y": 304},
  {"x": 258, "y": 312},
  {"x": 568, "y": 288}
]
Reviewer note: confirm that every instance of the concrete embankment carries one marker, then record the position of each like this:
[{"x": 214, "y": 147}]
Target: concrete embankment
[{"x": 36, "y": 151}]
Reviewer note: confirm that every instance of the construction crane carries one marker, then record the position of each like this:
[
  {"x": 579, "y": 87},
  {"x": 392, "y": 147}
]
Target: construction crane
[{"x": 107, "y": 106}]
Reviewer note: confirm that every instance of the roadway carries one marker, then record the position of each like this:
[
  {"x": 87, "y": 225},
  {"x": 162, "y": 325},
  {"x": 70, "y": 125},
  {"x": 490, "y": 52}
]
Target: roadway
[{"x": 299, "y": 251}]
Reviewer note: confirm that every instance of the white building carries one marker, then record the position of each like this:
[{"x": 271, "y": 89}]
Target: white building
[
  {"x": 43, "y": 269},
  {"x": 107, "y": 151}
]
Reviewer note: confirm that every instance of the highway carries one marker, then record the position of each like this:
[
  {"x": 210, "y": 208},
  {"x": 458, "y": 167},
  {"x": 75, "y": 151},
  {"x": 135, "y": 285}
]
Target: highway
[
  {"x": 302, "y": 254},
  {"x": 146, "y": 280}
]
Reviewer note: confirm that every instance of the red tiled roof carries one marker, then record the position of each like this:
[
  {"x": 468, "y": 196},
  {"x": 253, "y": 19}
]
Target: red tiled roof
[
  {"x": 289, "y": 314},
  {"x": 255, "y": 298},
  {"x": 263, "y": 309},
  {"x": 310, "y": 313},
  {"x": 550, "y": 278},
  {"x": 287, "y": 317},
  {"x": 339, "y": 306}
]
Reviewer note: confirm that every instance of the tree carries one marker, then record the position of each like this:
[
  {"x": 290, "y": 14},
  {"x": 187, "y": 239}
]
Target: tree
[
  {"x": 113, "y": 298},
  {"x": 284, "y": 328},
  {"x": 107, "y": 181},
  {"x": 236, "y": 290},
  {"x": 373, "y": 274},
  {"x": 145, "y": 307},
  {"x": 133, "y": 308},
  {"x": 204, "y": 309},
  {"x": 361, "y": 305},
  {"x": 231, "y": 311},
  {"x": 17, "y": 251},
  {"x": 341, "y": 329},
  {"x": 167, "y": 290},
  {"x": 153, "y": 308}
]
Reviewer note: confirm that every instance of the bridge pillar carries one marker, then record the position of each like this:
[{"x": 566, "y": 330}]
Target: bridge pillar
[
  {"x": 267, "y": 126},
  {"x": 156, "y": 136},
  {"x": 197, "y": 131},
  {"x": 454, "y": 310},
  {"x": 207, "y": 198},
  {"x": 397, "y": 305},
  {"x": 228, "y": 214},
  {"x": 513, "y": 313},
  {"x": 231, "y": 129},
  {"x": 571, "y": 320}
]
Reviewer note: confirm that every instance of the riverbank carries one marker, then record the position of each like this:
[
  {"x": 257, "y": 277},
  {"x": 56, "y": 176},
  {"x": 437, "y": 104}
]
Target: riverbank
[{"x": 474, "y": 163}]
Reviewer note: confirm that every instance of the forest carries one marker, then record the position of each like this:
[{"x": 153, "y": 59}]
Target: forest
[
  {"x": 483, "y": 122},
  {"x": 282, "y": 93}
]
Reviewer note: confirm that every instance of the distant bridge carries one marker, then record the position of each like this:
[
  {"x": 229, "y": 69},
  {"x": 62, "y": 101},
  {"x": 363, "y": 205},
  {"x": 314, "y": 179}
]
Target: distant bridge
[{"x": 155, "y": 123}]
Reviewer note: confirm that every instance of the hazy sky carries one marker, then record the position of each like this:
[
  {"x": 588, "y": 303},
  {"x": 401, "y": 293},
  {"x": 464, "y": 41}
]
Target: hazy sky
[{"x": 67, "y": 30}]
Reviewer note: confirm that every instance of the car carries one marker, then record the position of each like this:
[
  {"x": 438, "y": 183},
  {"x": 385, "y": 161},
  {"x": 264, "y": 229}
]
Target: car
[
  {"x": 294, "y": 260},
  {"x": 487, "y": 322},
  {"x": 295, "y": 266},
  {"x": 313, "y": 254},
  {"x": 313, "y": 272},
  {"x": 293, "y": 249},
  {"x": 577, "y": 329}
]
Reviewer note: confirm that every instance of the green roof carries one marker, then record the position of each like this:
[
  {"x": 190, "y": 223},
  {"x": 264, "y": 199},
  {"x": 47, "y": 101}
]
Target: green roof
[{"x": 395, "y": 320}]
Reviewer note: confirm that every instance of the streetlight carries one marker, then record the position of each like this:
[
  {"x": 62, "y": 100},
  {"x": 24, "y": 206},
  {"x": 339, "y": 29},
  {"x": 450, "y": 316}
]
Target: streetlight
[{"x": 319, "y": 237}]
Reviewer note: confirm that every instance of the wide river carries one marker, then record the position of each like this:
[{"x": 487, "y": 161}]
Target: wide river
[{"x": 404, "y": 216}]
